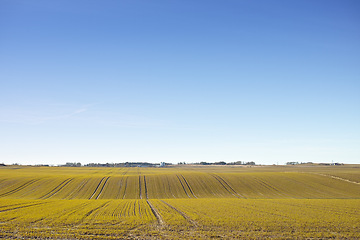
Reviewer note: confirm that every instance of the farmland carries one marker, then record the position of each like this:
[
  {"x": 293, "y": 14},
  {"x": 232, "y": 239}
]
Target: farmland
[{"x": 180, "y": 202}]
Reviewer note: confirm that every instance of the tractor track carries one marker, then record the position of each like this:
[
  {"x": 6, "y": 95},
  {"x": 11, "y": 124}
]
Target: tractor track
[
  {"x": 140, "y": 196},
  {"x": 126, "y": 181},
  {"x": 183, "y": 186},
  {"x": 28, "y": 183},
  {"x": 156, "y": 214},
  {"x": 97, "y": 187},
  {"x": 188, "y": 185},
  {"x": 338, "y": 178},
  {"x": 187, "y": 218},
  {"x": 145, "y": 188},
  {"x": 30, "y": 205},
  {"x": 223, "y": 185},
  {"x": 78, "y": 189},
  {"x": 228, "y": 185},
  {"x": 93, "y": 210},
  {"x": 57, "y": 188},
  {"x": 121, "y": 183},
  {"x": 102, "y": 188}
]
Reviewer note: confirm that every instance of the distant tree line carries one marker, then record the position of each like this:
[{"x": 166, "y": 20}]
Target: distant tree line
[
  {"x": 70, "y": 164},
  {"x": 125, "y": 164},
  {"x": 146, "y": 164},
  {"x": 224, "y": 163},
  {"x": 297, "y": 163}
]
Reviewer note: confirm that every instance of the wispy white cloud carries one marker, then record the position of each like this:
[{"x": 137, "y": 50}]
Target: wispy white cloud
[{"x": 36, "y": 116}]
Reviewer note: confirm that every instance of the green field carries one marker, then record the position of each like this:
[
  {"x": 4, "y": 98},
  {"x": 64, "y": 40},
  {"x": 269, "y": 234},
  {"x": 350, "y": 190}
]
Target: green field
[{"x": 180, "y": 202}]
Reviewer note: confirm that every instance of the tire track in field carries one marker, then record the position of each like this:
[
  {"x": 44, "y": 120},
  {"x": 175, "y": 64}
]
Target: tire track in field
[
  {"x": 126, "y": 180},
  {"x": 30, "y": 205},
  {"x": 28, "y": 183},
  {"x": 156, "y": 214},
  {"x": 134, "y": 207},
  {"x": 122, "y": 209},
  {"x": 93, "y": 210},
  {"x": 183, "y": 186},
  {"x": 338, "y": 178},
  {"x": 140, "y": 196},
  {"x": 270, "y": 187},
  {"x": 187, "y": 218},
  {"x": 57, "y": 189},
  {"x": 227, "y": 184},
  {"x": 97, "y": 187},
  {"x": 13, "y": 205},
  {"x": 74, "y": 193},
  {"x": 224, "y": 185},
  {"x": 145, "y": 188},
  {"x": 121, "y": 183},
  {"x": 102, "y": 188},
  {"x": 188, "y": 185},
  {"x": 68, "y": 211}
]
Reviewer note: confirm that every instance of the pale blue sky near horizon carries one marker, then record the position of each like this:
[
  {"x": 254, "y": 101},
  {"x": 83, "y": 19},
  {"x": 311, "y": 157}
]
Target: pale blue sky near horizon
[{"x": 174, "y": 81}]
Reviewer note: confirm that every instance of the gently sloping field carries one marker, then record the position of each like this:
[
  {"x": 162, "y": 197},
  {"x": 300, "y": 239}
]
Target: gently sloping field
[
  {"x": 187, "y": 202},
  {"x": 181, "y": 218},
  {"x": 166, "y": 183}
]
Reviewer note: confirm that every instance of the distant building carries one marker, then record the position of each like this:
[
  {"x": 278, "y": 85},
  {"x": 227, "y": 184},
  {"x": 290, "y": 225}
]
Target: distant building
[{"x": 162, "y": 164}]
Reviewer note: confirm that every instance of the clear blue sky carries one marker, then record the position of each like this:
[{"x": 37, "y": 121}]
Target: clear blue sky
[{"x": 179, "y": 80}]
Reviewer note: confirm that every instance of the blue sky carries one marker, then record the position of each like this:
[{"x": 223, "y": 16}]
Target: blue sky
[{"x": 116, "y": 81}]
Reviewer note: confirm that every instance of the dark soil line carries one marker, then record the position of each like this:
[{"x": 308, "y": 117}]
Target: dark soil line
[
  {"x": 78, "y": 189},
  {"x": 125, "y": 188},
  {"x": 93, "y": 210},
  {"x": 188, "y": 185},
  {"x": 13, "y": 205},
  {"x": 227, "y": 184},
  {"x": 146, "y": 192},
  {"x": 222, "y": 184},
  {"x": 121, "y": 183},
  {"x": 134, "y": 211},
  {"x": 97, "y": 187},
  {"x": 15, "y": 208},
  {"x": 19, "y": 188},
  {"x": 183, "y": 186},
  {"x": 71, "y": 210},
  {"x": 58, "y": 188},
  {"x": 102, "y": 188},
  {"x": 140, "y": 196},
  {"x": 270, "y": 187},
  {"x": 156, "y": 213},
  {"x": 187, "y": 218}
]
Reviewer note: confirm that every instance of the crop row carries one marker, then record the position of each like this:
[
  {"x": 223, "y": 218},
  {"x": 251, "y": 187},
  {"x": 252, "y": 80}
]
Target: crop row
[
  {"x": 180, "y": 218},
  {"x": 178, "y": 185}
]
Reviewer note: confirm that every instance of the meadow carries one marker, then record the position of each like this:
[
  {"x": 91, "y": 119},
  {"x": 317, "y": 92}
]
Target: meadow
[{"x": 199, "y": 202}]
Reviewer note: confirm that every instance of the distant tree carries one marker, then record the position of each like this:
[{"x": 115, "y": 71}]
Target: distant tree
[
  {"x": 220, "y": 163},
  {"x": 70, "y": 164},
  {"x": 204, "y": 163},
  {"x": 292, "y": 163},
  {"x": 250, "y": 163}
]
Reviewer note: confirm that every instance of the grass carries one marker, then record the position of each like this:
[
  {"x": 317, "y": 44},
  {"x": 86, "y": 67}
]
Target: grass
[{"x": 180, "y": 202}]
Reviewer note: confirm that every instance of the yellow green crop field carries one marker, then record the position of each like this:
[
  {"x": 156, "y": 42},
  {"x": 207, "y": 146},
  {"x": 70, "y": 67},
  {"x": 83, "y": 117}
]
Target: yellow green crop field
[{"x": 188, "y": 202}]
